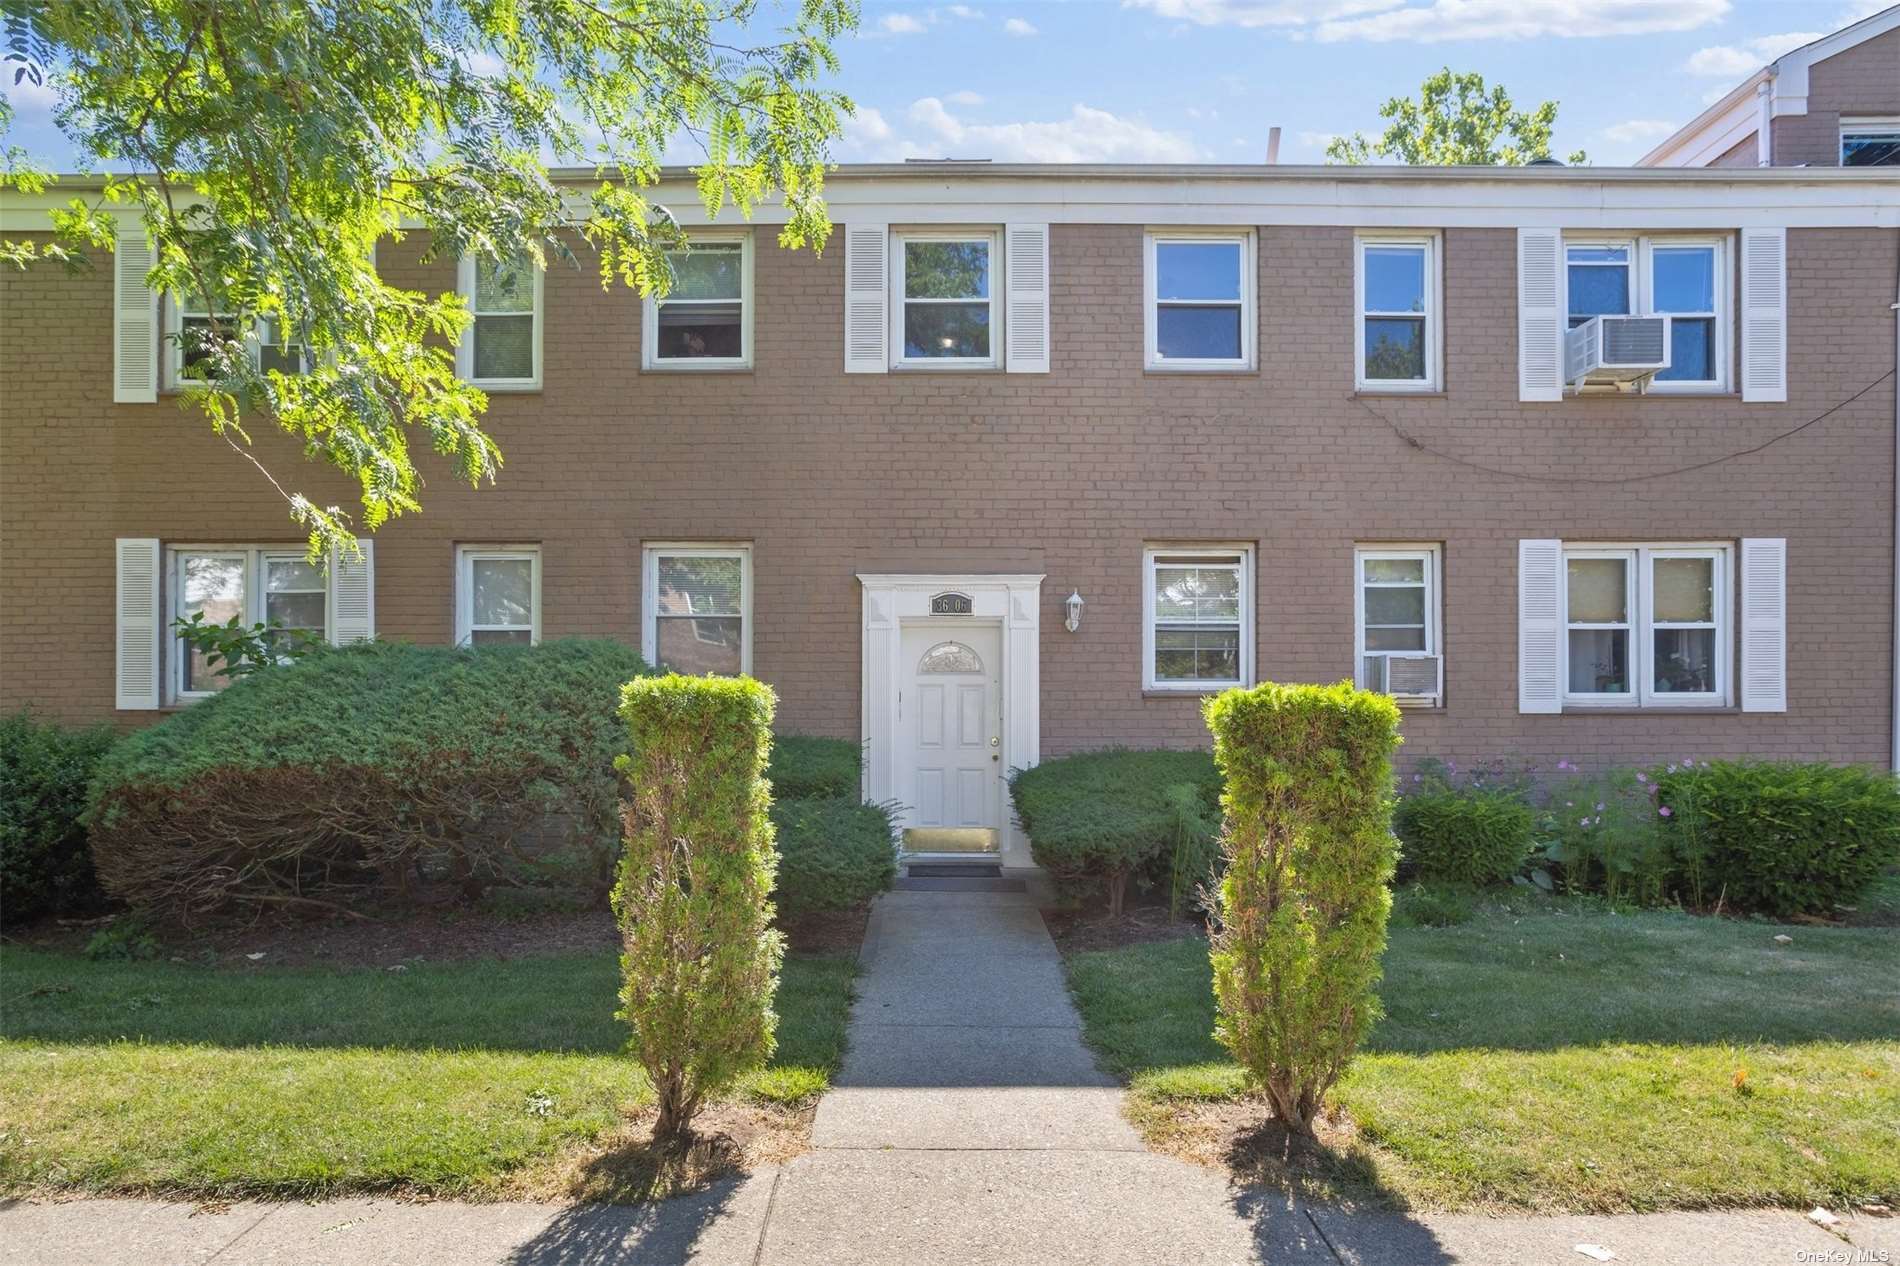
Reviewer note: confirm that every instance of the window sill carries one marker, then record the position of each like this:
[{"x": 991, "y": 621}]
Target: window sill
[
  {"x": 1205, "y": 371},
  {"x": 1618, "y": 709},
  {"x": 696, "y": 369},
  {"x": 1571, "y": 393},
  {"x": 505, "y": 388},
  {"x": 1400, "y": 393},
  {"x": 920, "y": 368},
  {"x": 1151, "y": 692}
]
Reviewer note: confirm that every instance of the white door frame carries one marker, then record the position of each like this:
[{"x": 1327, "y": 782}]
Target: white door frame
[{"x": 891, "y": 602}]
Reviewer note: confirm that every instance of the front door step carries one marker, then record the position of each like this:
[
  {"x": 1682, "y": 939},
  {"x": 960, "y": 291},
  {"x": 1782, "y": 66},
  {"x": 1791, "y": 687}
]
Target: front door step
[{"x": 955, "y": 870}]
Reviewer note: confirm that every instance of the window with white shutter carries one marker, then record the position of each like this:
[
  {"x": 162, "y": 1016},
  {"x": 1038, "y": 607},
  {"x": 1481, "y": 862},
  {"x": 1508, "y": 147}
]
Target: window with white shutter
[
  {"x": 135, "y": 330},
  {"x": 866, "y": 298},
  {"x": 1540, "y": 317},
  {"x": 1026, "y": 315},
  {"x": 1539, "y": 617},
  {"x": 273, "y": 585},
  {"x": 138, "y": 624},
  {"x": 1765, "y": 624}
]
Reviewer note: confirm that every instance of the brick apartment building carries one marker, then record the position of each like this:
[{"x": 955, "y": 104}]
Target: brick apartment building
[{"x": 1032, "y": 458}]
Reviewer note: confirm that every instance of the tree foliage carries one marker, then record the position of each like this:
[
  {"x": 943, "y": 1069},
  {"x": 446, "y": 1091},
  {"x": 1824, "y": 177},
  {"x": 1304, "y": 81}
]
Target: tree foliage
[
  {"x": 1306, "y": 892},
  {"x": 1456, "y": 122},
  {"x": 281, "y": 139}
]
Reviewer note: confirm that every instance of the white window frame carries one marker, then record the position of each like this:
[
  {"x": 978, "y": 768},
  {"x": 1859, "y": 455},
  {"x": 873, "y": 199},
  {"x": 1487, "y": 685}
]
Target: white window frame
[
  {"x": 465, "y": 350},
  {"x": 1153, "y": 556},
  {"x": 1427, "y": 554},
  {"x": 1639, "y": 578},
  {"x": 650, "y": 358},
  {"x": 176, "y": 309},
  {"x": 1249, "y": 286},
  {"x": 1642, "y": 298},
  {"x": 256, "y": 560},
  {"x": 466, "y": 556},
  {"x": 1434, "y": 356},
  {"x": 650, "y": 593},
  {"x": 1852, "y": 125},
  {"x": 994, "y": 237}
]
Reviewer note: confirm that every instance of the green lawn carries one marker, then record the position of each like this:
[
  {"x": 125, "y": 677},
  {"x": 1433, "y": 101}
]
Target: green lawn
[
  {"x": 1580, "y": 1061},
  {"x": 279, "y": 1081}
]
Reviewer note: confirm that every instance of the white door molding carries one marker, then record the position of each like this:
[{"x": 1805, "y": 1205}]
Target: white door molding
[{"x": 890, "y": 601}]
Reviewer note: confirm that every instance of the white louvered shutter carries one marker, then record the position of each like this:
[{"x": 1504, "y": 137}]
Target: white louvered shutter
[
  {"x": 1540, "y": 614},
  {"x": 353, "y": 594},
  {"x": 1540, "y": 317},
  {"x": 138, "y": 624},
  {"x": 1765, "y": 624},
  {"x": 1026, "y": 287},
  {"x": 1764, "y": 315},
  {"x": 135, "y": 319},
  {"x": 867, "y": 291}
]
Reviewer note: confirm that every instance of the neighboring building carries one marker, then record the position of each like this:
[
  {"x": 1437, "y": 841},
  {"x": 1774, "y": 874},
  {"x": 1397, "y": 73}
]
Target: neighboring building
[
  {"x": 1270, "y": 423},
  {"x": 1832, "y": 103}
]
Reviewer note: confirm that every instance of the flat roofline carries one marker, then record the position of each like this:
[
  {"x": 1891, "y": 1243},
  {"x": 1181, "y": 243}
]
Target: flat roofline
[{"x": 1163, "y": 173}]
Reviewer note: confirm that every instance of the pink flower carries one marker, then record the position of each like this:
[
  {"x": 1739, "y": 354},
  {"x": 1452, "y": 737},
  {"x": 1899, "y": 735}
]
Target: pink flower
[
  {"x": 1418, "y": 777},
  {"x": 1665, "y": 811},
  {"x": 1670, "y": 770},
  {"x": 1641, "y": 776},
  {"x": 1564, "y": 764},
  {"x": 1583, "y": 821},
  {"x": 1687, "y": 763},
  {"x": 1599, "y": 806}
]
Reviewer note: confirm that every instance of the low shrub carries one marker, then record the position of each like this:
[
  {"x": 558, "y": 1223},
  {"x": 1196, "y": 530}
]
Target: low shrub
[
  {"x": 1778, "y": 838},
  {"x": 693, "y": 895},
  {"x": 1433, "y": 905},
  {"x": 45, "y": 867},
  {"x": 807, "y": 767},
  {"x": 363, "y": 768},
  {"x": 1305, "y": 897},
  {"x": 1464, "y": 834},
  {"x": 1604, "y": 834},
  {"x": 1099, "y": 817},
  {"x": 834, "y": 854}
]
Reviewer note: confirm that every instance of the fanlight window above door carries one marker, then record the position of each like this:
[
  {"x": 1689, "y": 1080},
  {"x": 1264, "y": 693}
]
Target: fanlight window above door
[{"x": 950, "y": 657}]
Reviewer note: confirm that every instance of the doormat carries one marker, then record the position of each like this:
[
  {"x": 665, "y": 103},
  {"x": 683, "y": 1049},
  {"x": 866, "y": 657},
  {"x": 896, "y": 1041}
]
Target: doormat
[{"x": 955, "y": 871}]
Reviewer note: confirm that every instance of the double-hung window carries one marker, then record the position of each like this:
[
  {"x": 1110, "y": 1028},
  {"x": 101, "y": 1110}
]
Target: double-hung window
[
  {"x": 1681, "y": 278},
  {"x": 497, "y": 595},
  {"x": 698, "y": 608},
  {"x": 189, "y": 327},
  {"x": 1870, "y": 142},
  {"x": 1200, "y": 300},
  {"x": 251, "y": 584},
  {"x": 502, "y": 348},
  {"x": 1397, "y": 620},
  {"x": 1646, "y": 625},
  {"x": 705, "y": 320},
  {"x": 1197, "y": 608},
  {"x": 944, "y": 309},
  {"x": 1398, "y": 326}
]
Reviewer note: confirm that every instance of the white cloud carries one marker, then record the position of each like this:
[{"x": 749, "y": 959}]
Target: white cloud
[
  {"x": 29, "y": 100},
  {"x": 1733, "y": 61},
  {"x": 1432, "y": 21},
  {"x": 901, "y": 24},
  {"x": 867, "y": 128},
  {"x": 1317, "y": 140},
  {"x": 963, "y": 11},
  {"x": 1086, "y": 135},
  {"x": 1634, "y": 130},
  {"x": 965, "y": 98},
  {"x": 1016, "y": 26},
  {"x": 1196, "y": 112},
  {"x": 1439, "y": 20}
]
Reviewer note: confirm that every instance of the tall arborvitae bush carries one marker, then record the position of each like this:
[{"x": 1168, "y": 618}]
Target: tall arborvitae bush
[
  {"x": 1306, "y": 892},
  {"x": 693, "y": 895}
]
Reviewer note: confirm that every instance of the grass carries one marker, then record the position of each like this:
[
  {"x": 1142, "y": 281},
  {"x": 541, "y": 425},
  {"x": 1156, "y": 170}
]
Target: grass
[
  {"x": 1542, "y": 1058},
  {"x": 450, "y": 1079}
]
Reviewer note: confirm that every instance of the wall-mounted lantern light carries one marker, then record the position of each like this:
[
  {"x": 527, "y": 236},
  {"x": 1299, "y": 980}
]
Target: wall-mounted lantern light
[{"x": 1074, "y": 604}]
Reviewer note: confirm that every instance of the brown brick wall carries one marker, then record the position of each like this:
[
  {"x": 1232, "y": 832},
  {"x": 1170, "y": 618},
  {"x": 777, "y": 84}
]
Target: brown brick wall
[
  {"x": 1862, "y": 80},
  {"x": 1068, "y": 473}
]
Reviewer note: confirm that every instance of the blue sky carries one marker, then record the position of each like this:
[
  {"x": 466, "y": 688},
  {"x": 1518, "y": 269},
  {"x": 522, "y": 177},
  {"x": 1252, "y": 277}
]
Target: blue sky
[{"x": 1204, "y": 80}]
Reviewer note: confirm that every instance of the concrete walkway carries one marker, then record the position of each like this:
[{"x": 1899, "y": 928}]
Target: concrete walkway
[{"x": 968, "y": 1127}]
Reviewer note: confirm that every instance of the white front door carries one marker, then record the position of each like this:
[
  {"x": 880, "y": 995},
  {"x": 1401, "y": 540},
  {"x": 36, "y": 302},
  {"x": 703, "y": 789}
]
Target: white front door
[{"x": 950, "y": 736}]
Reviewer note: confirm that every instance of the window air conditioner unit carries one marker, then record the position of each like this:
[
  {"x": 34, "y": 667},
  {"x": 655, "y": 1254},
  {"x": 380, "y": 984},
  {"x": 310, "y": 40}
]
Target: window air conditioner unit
[
  {"x": 1406, "y": 677},
  {"x": 1616, "y": 351}
]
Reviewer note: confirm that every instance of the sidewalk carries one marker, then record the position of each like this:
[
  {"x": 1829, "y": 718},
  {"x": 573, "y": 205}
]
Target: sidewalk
[{"x": 969, "y": 1127}]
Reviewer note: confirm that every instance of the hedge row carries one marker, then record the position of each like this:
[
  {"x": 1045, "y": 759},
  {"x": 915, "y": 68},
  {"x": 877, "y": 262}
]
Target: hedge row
[{"x": 45, "y": 867}]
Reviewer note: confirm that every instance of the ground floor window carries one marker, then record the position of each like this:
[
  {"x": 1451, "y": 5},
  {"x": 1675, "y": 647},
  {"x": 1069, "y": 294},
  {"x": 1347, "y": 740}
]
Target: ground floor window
[
  {"x": 697, "y": 605},
  {"x": 251, "y": 584},
  {"x": 1646, "y": 625},
  {"x": 498, "y": 595},
  {"x": 1197, "y": 617},
  {"x": 1397, "y": 620}
]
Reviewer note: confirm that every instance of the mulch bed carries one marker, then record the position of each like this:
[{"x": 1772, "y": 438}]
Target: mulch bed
[
  {"x": 1077, "y": 931},
  {"x": 435, "y": 934}
]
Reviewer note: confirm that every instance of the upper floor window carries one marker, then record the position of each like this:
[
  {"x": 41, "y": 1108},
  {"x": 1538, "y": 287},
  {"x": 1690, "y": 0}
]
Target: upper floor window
[
  {"x": 1685, "y": 279},
  {"x": 1197, "y": 622},
  {"x": 249, "y": 583},
  {"x": 1870, "y": 142},
  {"x": 944, "y": 310},
  {"x": 1200, "y": 300},
  {"x": 497, "y": 595},
  {"x": 1397, "y": 333},
  {"x": 705, "y": 320},
  {"x": 697, "y": 608},
  {"x": 1646, "y": 625},
  {"x": 189, "y": 324},
  {"x": 502, "y": 347},
  {"x": 1397, "y": 621}
]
